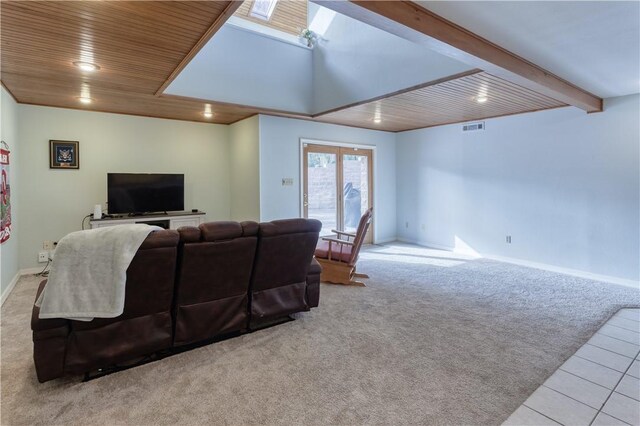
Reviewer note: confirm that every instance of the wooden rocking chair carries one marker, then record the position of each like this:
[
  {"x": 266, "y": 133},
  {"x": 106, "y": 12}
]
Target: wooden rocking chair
[{"x": 338, "y": 255}]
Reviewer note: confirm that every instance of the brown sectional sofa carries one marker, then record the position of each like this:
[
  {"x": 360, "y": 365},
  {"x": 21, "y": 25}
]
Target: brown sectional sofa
[
  {"x": 190, "y": 286},
  {"x": 283, "y": 258},
  {"x": 220, "y": 253}
]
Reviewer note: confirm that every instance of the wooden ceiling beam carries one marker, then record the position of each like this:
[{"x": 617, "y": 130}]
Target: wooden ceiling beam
[{"x": 413, "y": 22}]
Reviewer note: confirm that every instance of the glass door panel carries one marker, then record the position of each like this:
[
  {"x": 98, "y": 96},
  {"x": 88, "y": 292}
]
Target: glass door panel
[
  {"x": 337, "y": 186},
  {"x": 355, "y": 189},
  {"x": 320, "y": 195}
]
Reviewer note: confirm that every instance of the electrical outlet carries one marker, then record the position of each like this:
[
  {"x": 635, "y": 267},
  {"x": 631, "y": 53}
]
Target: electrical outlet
[
  {"x": 423, "y": 227},
  {"x": 48, "y": 245},
  {"x": 287, "y": 181},
  {"x": 508, "y": 239},
  {"x": 43, "y": 257}
]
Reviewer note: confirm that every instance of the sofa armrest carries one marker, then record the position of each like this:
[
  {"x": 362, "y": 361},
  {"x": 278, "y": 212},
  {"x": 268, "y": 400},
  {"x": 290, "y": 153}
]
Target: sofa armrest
[
  {"x": 314, "y": 267},
  {"x": 49, "y": 343},
  {"x": 313, "y": 283}
]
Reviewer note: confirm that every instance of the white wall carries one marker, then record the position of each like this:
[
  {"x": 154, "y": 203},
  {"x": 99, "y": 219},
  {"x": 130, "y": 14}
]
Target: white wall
[
  {"x": 564, "y": 184},
  {"x": 246, "y": 68},
  {"x": 356, "y": 61},
  {"x": 280, "y": 158},
  {"x": 353, "y": 62},
  {"x": 53, "y": 202},
  {"x": 9, "y": 265},
  {"x": 244, "y": 162}
]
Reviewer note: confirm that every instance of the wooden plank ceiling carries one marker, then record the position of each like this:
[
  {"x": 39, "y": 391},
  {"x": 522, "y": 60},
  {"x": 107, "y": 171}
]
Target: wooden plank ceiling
[
  {"x": 470, "y": 96},
  {"x": 289, "y": 16},
  {"x": 137, "y": 45},
  {"x": 411, "y": 21},
  {"x": 142, "y": 45}
]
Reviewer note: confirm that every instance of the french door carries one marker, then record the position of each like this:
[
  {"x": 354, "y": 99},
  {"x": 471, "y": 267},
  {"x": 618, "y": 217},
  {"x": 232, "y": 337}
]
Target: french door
[{"x": 337, "y": 186}]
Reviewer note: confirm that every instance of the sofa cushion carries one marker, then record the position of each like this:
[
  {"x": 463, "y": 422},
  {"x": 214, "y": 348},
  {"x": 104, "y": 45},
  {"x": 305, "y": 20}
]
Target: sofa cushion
[
  {"x": 159, "y": 239},
  {"x": 189, "y": 234},
  {"x": 289, "y": 226},
  {"x": 218, "y": 231},
  {"x": 339, "y": 252},
  {"x": 249, "y": 228},
  {"x": 285, "y": 250},
  {"x": 214, "y": 270}
]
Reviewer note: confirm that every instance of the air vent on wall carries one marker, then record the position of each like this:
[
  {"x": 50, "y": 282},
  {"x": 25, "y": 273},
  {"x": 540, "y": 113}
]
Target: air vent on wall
[{"x": 471, "y": 127}]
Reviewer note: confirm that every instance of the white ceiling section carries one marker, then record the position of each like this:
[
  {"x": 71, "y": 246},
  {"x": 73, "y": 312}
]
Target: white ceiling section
[
  {"x": 351, "y": 62},
  {"x": 592, "y": 44},
  {"x": 244, "y": 67},
  {"x": 355, "y": 62}
]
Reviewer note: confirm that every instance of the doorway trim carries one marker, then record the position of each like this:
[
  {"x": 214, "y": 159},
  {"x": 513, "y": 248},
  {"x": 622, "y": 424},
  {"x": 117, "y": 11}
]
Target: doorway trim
[{"x": 374, "y": 169}]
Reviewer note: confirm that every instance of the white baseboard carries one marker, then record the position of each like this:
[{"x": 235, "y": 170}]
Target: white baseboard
[
  {"x": 426, "y": 244},
  {"x": 29, "y": 271},
  {"x": 12, "y": 284},
  {"x": 7, "y": 291},
  {"x": 384, "y": 241},
  {"x": 536, "y": 265},
  {"x": 567, "y": 271}
]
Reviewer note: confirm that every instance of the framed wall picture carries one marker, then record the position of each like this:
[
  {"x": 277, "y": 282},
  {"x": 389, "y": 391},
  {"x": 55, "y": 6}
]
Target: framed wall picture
[{"x": 64, "y": 154}]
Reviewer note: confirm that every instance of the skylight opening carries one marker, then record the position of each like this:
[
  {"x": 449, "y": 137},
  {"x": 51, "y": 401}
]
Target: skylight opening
[{"x": 263, "y": 9}]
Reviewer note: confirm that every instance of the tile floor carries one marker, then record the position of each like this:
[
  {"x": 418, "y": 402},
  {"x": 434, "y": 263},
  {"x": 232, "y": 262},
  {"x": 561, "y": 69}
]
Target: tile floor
[{"x": 599, "y": 385}]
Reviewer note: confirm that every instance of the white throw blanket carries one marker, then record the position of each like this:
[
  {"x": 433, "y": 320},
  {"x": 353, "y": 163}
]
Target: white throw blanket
[{"x": 89, "y": 273}]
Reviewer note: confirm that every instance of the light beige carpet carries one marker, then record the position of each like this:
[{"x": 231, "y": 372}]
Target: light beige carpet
[{"x": 434, "y": 339}]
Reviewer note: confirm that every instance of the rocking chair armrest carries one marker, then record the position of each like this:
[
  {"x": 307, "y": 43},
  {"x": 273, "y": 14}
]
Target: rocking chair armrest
[
  {"x": 348, "y": 234},
  {"x": 335, "y": 240}
]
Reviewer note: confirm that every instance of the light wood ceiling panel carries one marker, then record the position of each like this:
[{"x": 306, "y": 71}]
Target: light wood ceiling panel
[
  {"x": 137, "y": 44},
  {"x": 443, "y": 102},
  {"x": 141, "y": 45},
  {"x": 413, "y": 22},
  {"x": 47, "y": 92},
  {"x": 289, "y": 16}
]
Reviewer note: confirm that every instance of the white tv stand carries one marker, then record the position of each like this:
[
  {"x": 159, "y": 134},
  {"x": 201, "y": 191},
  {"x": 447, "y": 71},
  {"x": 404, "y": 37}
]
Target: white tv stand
[{"x": 168, "y": 221}]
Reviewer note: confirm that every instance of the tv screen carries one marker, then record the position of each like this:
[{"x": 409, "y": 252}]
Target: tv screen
[{"x": 144, "y": 192}]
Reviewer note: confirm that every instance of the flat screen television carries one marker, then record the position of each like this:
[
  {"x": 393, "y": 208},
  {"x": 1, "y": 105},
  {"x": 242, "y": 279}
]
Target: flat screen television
[{"x": 137, "y": 193}]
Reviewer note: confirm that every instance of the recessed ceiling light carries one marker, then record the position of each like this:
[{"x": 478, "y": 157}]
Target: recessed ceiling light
[
  {"x": 377, "y": 120},
  {"x": 85, "y": 100},
  {"x": 481, "y": 99},
  {"x": 86, "y": 66},
  {"x": 208, "y": 113}
]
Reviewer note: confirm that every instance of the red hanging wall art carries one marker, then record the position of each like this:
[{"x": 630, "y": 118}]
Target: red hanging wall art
[{"x": 5, "y": 194}]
